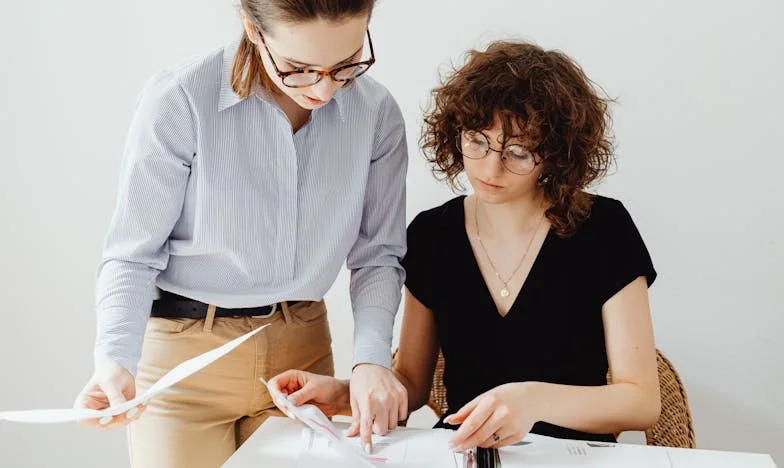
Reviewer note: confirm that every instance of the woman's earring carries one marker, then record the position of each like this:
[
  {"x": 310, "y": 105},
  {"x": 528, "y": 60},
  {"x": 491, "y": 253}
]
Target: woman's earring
[{"x": 543, "y": 179}]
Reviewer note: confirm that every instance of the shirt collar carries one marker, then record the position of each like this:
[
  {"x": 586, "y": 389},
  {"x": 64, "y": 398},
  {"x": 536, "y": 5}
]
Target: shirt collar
[
  {"x": 229, "y": 98},
  {"x": 227, "y": 95}
]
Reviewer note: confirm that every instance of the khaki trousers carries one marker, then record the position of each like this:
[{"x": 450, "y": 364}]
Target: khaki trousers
[{"x": 202, "y": 420}]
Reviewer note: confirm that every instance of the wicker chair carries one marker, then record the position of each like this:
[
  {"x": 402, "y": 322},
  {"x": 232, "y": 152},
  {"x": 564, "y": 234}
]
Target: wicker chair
[{"x": 673, "y": 429}]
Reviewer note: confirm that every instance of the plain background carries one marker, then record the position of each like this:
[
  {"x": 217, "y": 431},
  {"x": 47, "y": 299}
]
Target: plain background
[{"x": 699, "y": 164}]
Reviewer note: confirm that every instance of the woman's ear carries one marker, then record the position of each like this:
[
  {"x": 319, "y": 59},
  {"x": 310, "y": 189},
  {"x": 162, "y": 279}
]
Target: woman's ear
[{"x": 250, "y": 29}]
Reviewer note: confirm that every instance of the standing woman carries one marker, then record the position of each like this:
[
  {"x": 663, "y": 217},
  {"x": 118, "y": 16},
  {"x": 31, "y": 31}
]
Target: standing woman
[{"x": 250, "y": 175}]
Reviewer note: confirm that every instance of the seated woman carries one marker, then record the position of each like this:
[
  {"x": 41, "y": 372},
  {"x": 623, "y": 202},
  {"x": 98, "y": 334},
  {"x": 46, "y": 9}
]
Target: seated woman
[{"x": 532, "y": 287}]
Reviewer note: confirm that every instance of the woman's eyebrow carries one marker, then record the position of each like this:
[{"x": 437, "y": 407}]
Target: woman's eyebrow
[{"x": 303, "y": 64}]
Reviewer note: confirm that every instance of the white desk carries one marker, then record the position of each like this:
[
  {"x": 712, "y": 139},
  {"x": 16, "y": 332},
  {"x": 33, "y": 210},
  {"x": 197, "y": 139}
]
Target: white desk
[{"x": 276, "y": 445}]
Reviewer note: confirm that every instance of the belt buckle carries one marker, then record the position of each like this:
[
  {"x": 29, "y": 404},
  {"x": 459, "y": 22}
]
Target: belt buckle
[{"x": 270, "y": 314}]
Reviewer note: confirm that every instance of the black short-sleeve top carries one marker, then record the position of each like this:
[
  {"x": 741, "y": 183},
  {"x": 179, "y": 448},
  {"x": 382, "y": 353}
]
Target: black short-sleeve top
[{"x": 553, "y": 332}]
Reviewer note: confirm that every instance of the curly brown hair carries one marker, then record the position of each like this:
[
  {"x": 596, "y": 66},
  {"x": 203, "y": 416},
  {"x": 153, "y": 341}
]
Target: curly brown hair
[{"x": 545, "y": 94}]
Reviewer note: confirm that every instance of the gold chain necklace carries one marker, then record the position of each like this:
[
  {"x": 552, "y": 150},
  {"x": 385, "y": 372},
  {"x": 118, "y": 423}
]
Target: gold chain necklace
[{"x": 505, "y": 290}]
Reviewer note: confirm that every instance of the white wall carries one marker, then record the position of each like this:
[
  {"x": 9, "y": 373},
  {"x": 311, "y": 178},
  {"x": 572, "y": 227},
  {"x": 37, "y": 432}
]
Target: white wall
[{"x": 699, "y": 164}]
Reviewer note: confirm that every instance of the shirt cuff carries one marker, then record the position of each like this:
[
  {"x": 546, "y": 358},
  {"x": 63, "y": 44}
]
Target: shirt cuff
[
  {"x": 120, "y": 337},
  {"x": 373, "y": 337}
]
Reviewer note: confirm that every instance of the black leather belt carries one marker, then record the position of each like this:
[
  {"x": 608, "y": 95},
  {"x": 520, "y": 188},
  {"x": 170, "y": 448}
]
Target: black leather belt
[{"x": 172, "y": 305}]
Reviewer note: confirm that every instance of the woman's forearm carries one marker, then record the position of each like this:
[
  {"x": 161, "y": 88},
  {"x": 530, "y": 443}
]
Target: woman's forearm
[
  {"x": 606, "y": 409},
  {"x": 417, "y": 397}
]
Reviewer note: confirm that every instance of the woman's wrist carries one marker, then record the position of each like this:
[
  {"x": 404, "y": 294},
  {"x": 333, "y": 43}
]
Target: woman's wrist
[
  {"x": 536, "y": 397},
  {"x": 344, "y": 403}
]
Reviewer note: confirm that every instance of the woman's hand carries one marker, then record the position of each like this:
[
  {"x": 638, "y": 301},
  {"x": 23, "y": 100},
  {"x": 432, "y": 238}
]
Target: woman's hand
[
  {"x": 496, "y": 418},
  {"x": 110, "y": 385},
  {"x": 328, "y": 394},
  {"x": 378, "y": 402}
]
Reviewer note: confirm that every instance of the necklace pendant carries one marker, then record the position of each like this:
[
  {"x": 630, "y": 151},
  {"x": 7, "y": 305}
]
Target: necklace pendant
[{"x": 504, "y": 292}]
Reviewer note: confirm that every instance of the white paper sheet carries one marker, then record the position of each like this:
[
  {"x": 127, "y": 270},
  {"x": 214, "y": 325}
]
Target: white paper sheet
[
  {"x": 185, "y": 369},
  {"x": 324, "y": 446},
  {"x": 539, "y": 452},
  {"x": 322, "y": 425},
  {"x": 409, "y": 448}
]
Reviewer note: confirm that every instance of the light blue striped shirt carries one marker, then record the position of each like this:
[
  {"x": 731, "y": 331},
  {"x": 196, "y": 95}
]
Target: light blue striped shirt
[{"x": 220, "y": 202}]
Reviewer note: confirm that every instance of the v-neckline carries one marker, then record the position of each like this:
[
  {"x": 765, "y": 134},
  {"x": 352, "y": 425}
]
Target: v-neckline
[{"x": 478, "y": 270}]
